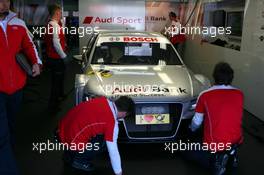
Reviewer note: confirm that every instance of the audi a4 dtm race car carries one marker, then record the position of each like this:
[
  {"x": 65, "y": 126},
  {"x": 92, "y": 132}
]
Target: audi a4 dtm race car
[{"x": 146, "y": 67}]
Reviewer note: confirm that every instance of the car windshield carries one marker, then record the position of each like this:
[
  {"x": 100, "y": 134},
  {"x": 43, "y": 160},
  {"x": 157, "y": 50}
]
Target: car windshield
[{"x": 129, "y": 53}]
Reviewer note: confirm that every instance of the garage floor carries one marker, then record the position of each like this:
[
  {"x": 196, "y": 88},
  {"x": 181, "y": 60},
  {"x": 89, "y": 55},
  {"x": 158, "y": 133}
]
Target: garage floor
[{"x": 35, "y": 124}]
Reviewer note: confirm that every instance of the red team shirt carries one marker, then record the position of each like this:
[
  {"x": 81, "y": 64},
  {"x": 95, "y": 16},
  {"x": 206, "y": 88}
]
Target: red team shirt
[
  {"x": 14, "y": 38},
  {"x": 222, "y": 107},
  {"x": 87, "y": 120}
]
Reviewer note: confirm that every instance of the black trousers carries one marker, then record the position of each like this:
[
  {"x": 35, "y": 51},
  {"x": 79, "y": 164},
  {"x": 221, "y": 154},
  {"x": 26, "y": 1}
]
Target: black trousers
[
  {"x": 9, "y": 105},
  {"x": 88, "y": 155},
  {"x": 214, "y": 161},
  {"x": 57, "y": 68},
  {"x": 176, "y": 46}
]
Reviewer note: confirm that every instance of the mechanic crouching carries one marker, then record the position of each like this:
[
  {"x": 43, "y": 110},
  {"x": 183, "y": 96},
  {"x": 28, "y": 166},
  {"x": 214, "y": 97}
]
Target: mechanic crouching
[
  {"x": 94, "y": 122},
  {"x": 220, "y": 108}
]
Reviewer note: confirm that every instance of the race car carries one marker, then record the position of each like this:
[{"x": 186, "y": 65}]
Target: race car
[{"x": 146, "y": 67}]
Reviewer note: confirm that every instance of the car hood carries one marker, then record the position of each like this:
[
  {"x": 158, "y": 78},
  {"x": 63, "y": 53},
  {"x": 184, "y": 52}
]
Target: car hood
[{"x": 141, "y": 81}]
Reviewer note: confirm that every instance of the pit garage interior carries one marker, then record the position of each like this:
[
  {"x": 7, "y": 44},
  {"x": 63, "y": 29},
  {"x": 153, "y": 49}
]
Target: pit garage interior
[{"x": 243, "y": 50}]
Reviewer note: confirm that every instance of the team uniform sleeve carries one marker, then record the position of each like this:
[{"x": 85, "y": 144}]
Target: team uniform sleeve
[
  {"x": 29, "y": 48},
  {"x": 197, "y": 121},
  {"x": 113, "y": 150},
  {"x": 56, "y": 40},
  {"x": 109, "y": 136},
  {"x": 199, "y": 114},
  {"x": 200, "y": 106}
]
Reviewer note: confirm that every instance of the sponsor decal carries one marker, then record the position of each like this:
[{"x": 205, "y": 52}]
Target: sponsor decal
[
  {"x": 140, "y": 89},
  {"x": 152, "y": 119},
  {"x": 149, "y": 91},
  {"x": 155, "y": 18},
  {"x": 88, "y": 20},
  {"x": 182, "y": 91},
  {"x": 106, "y": 73},
  {"x": 114, "y": 39},
  {"x": 102, "y": 73},
  {"x": 90, "y": 72},
  {"x": 139, "y": 95},
  {"x": 140, "y": 39},
  {"x": 112, "y": 20},
  {"x": 177, "y": 90}
]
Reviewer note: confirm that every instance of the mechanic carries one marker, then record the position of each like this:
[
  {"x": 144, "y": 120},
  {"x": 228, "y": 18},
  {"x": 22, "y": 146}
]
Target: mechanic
[
  {"x": 95, "y": 122},
  {"x": 175, "y": 36},
  {"x": 14, "y": 37},
  {"x": 221, "y": 109},
  {"x": 55, "y": 48}
]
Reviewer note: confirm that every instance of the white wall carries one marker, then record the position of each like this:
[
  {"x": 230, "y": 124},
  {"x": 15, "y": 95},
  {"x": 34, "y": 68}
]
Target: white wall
[{"x": 247, "y": 63}]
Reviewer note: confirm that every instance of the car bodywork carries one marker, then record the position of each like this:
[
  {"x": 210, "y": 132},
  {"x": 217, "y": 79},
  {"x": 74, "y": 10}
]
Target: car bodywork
[{"x": 164, "y": 90}]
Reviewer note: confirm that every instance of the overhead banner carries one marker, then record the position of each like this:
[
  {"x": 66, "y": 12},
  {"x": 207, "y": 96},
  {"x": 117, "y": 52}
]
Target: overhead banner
[
  {"x": 157, "y": 15},
  {"x": 142, "y": 15},
  {"x": 111, "y": 14}
]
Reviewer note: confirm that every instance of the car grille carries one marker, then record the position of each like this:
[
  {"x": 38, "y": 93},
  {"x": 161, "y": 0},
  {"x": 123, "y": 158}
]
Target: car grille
[{"x": 157, "y": 130}]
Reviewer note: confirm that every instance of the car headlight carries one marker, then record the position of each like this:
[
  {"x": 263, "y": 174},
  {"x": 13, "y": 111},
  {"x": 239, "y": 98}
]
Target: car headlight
[{"x": 193, "y": 104}]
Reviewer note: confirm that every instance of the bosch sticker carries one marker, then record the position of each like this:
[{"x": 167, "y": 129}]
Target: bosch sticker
[{"x": 140, "y": 39}]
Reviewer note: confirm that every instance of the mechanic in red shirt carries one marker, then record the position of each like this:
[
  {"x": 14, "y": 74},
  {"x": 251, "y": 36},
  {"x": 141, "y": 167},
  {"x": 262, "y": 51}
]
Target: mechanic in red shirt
[
  {"x": 94, "y": 122},
  {"x": 176, "y": 37},
  {"x": 56, "y": 52},
  {"x": 220, "y": 108},
  {"x": 14, "y": 38}
]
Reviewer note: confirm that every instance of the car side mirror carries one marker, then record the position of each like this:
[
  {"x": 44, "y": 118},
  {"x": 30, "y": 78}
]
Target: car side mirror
[
  {"x": 84, "y": 49},
  {"x": 78, "y": 57}
]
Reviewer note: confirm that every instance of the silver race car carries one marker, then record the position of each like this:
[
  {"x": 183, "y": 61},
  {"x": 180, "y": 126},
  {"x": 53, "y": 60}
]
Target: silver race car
[{"x": 146, "y": 67}]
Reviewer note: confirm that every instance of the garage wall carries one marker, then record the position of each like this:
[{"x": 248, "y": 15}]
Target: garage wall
[
  {"x": 247, "y": 63},
  {"x": 33, "y": 12}
]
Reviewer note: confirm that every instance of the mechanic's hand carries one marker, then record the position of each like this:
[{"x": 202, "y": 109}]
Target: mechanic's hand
[
  {"x": 190, "y": 128},
  {"x": 35, "y": 70}
]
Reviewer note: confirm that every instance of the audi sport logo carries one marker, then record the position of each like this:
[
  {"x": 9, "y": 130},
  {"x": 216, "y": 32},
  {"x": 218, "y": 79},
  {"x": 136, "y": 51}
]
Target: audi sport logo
[
  {"x": 88, "y": 20},
  {"x": 111, "y": 20}
]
